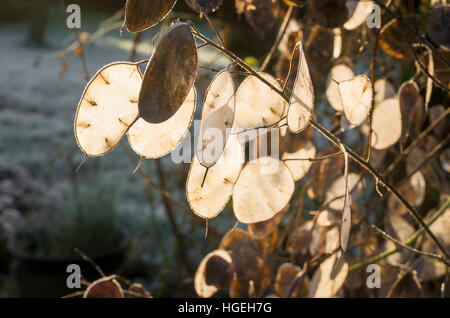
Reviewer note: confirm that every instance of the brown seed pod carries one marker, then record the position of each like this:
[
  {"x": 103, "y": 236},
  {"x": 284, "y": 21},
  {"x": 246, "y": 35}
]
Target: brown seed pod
[
  {"x": 329, "y": 13},
  {"x": 106, "y": 287},
  {"x": 410, "y": 102},
  {"x": 108, "y": 106},
  {"x": 438, "y": 26},
  {"x": 262, "y": 14},
  {"x": 214, "y": 273},
  {"x": 143, "y": 14},
  {"x": 395, "y": 41},
  {"x": 205, "y": 5},
  {"x": 301, "y": 103},
  {"x": 285, "y": 275},
  {"x": 170, "y": 74}
]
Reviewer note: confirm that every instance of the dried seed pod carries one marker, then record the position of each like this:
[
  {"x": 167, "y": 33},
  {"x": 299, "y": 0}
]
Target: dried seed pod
[
  {"x": 299, "y": 168},
  {"x": 169, "y": 75},
  {"x": 399, "y": 228},
  {"x": 383, "y": 90},
  {"x": 205, "y": 5},
  {"x": 358, "y": 11},
  {"x": 285, "y": 275},
  {"x": 107, "y": 108},
  {"x": 438, "y": 22},
  {"x": 356, "y": 97},
  {"x": 339, "y": 73},
  {"x": 217, "y": 119},
  {"x": 302, "y": 99},
  {"x": 386, "y": 124},
  {"x": 262, "y": 15},
  {"x": 214, "y": 273},
  {"x": 208, "y": 190},
  {"x": 157, "y": 140},
  {"x": 257, "y": 105},
  {"x": 324, "y": 284},
  {"x": 263, "y": 189},
  {"x": 106, "y": 287},
  {"x": 329, "y": 13},
  {"x": 395, "y": 41},
  {"x": 410, "y": 101},
  {"x": 143, "y": 14},
  {"x": 337, "y": 190}
]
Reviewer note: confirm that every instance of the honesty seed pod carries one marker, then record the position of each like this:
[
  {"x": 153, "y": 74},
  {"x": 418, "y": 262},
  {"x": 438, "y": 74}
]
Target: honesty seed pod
[{"x": 143, "y": 14}]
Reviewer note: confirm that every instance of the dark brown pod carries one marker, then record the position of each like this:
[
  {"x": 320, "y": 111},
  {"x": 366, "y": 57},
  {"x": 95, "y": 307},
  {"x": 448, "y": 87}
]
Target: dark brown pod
[
  {"x": 143, "y": 14},
  {"x": 205, "y": 5},
  {"x": 106, "y": 287},
  {"x": 170, "y": 75}
]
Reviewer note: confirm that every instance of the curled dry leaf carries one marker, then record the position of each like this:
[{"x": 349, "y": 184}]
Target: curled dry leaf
[
  {"x": 143, "y": 14},
  {"x": 410, "y": 102},
  {"x": 157, "y": 140},
  {"x": 302, "y": 99},
  {"x": 217, "y": 116},
  {"x": 358, "y": 12},
  {"x": 263, "y": 189},
  {"x": 323, "y": 285},
  {"x": 205, "y": 5},
  {"x": 208, "y": 195},
  {"x": 438, "y": 22},
  {"x": 339, "y": 73},
  {"x": 285, "y": 276},
  {"x": 329, "y": 13},
  {"x": 257, "y": 105},
  {"x": 386, "y": 124},
  {"x": 356, "y": 98},
  {"x": 299, "y": 168},
  {"x": 106, "y": 287},
  {"x": 169, "y": 75},
  {"x": 214, "y": 273},
  {"x": 383, "y": 90},
  {"x": 108, "y": 106}
]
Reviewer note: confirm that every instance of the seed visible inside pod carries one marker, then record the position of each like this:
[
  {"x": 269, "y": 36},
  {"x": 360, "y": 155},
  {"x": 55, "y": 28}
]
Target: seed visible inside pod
[
  {"x": 170, "y": 74},
  {"x": 338, "y": 74},
  {"x": 107, "y": 108},
  {"x": 386, "y": 124},
  {"x": 208, "y": 190},
  {"x": 356, "y": 97},
  {"x": 302, "y": 99},
  {"x": 143, "y": 14},
  {"x": 106, "y": 287},
  {"x": 156, "y": 140},
  {"x": 263, "y": 189},
  {"x": 217, "y": 119}
]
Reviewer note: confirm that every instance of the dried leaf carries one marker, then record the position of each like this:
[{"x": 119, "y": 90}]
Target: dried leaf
[{"x": 105, "y": 287}]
